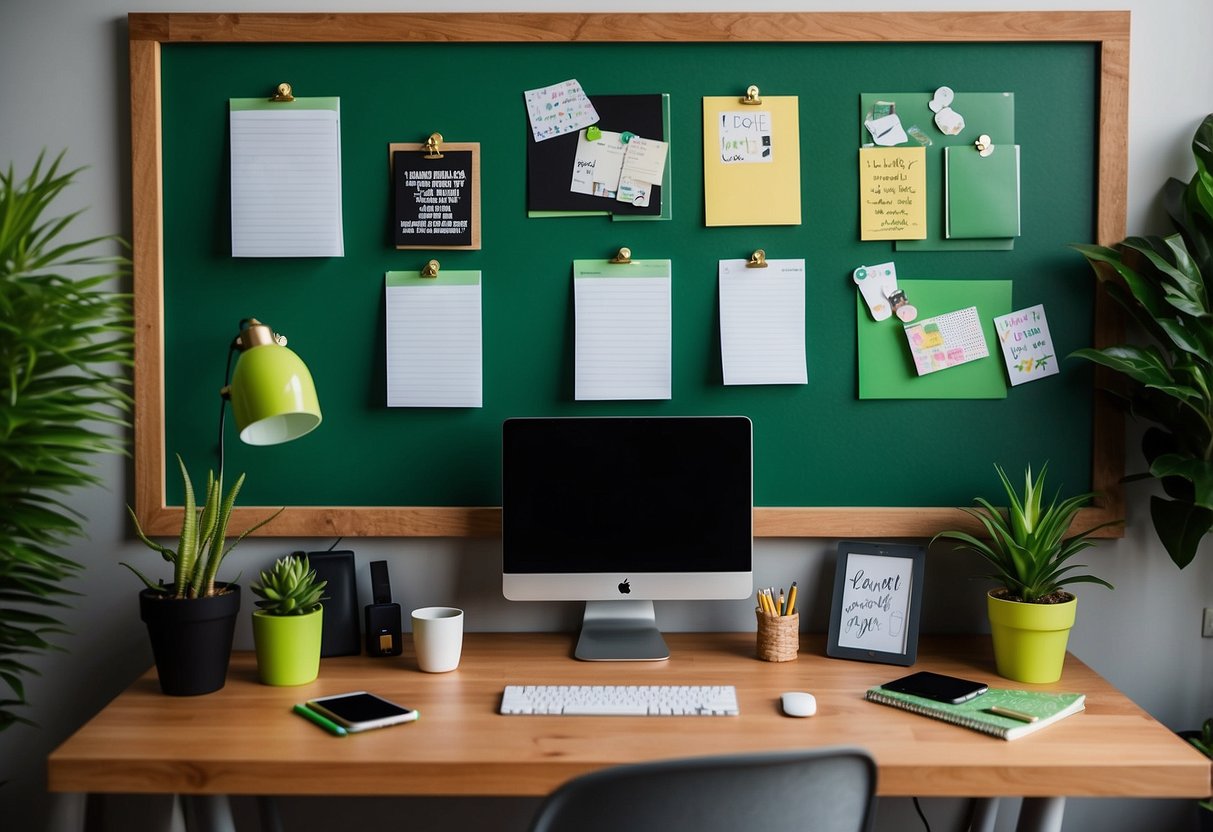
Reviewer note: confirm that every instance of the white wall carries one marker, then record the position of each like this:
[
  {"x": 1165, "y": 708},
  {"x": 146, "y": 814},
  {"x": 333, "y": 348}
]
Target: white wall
[{"x": 63, "y": 84}]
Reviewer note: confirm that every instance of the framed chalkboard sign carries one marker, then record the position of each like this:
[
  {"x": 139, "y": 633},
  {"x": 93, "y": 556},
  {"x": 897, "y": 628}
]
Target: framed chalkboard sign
[
  {"x": 877, "y": 602},
  {"x": 436, "y": 193}
]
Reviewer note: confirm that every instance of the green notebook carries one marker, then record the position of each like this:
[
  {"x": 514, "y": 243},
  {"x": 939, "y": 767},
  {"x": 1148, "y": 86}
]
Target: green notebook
[
  {"x": 975, "y": 714},
  {"x": 982, "y": 192}
]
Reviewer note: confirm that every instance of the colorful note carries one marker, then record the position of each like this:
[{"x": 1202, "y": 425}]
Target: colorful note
[
  {"x": 1027, "y": 347},
  {"x": 946, "y": 340},
  {"x": 751, "y": 161},
  {"x": 762, "y": 323},
  {"x": 892, "y": 193},
  {"x": 746, "y": 136},
  {"x": 559, "y": 109}
]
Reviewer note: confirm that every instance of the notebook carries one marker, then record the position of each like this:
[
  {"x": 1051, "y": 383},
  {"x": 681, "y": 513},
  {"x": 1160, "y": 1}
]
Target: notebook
[{"x": 1046, "y": 707}]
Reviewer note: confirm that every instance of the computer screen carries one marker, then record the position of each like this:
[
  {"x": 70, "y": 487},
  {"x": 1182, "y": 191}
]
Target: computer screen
[{"x": 622, "y": 511}]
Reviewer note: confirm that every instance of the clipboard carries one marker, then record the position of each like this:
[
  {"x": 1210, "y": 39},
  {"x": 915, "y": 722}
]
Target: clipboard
[{"x": 436, "y": 195}]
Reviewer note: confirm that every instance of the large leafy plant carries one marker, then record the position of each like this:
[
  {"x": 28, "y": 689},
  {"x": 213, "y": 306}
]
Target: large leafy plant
[
  {"x": 1028, "y": 548},
  {"x": 65, "y": 343},
  {"x": 202, "y": 544},
  {"x": 1162, "y": 283}
]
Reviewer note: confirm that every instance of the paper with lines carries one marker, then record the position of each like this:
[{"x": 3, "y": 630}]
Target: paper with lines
[
  {"x": 762, "y": 322},
  {"x": 286, "y": 178},
  {"x": 433, "y": 340},
  {"x": 623, "y": 337}
]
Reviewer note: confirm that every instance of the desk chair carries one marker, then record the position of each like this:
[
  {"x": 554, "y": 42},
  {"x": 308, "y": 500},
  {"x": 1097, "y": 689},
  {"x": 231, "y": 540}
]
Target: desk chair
[{"x": 818, "y": 790}]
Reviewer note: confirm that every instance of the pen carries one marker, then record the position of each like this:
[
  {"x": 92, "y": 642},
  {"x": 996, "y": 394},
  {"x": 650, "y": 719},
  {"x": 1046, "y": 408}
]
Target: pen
[
  {"x": 325, "y": 723},
  {"x": 791, "y": 599},
  {"x": 781, "y": 610},
  {"x": 1020, "y": 715}
]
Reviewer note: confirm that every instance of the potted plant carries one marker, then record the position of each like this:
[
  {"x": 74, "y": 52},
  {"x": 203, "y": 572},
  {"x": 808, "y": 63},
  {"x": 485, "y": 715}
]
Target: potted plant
[
  {"x": 1030, "y": 614},
  {"x": 191, "y": 621},
  {"x": 65, "y": 346},
  {"x": 287, "y": 627}
]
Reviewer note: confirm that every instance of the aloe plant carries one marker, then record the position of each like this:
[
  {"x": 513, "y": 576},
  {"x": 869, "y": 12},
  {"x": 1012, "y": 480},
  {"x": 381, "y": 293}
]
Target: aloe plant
[
  {"x": 1162, "y": 283},
  {"x": 1028, "y": 548},
  {"x": 289, "y": 588},
  {"x": 65, "y": 341},
  {"x": 202, "y": 544}
]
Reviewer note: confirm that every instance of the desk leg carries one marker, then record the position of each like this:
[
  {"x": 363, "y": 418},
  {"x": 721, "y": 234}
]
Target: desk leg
[
  {"x": 207, "y": 813},
  {"x": 1041, "y": 814},
  {"x": 984, "y": 814}
]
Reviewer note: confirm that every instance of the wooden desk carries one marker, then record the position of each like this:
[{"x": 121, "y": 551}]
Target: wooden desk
[{"x": 245, "y": 740}]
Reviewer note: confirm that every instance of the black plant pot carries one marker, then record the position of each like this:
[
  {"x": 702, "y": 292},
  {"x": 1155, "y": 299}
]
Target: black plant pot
[{"x": 191, "y": 639}]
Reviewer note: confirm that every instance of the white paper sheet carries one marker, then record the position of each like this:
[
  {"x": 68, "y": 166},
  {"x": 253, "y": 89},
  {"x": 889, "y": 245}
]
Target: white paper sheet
[
  {"x": 597, "y": 165},
  {"x": 286, "y": 178},
  {"x": 762, "y": 323},
  {"x": 434, "y": 340},
  {"x": 623, "y": 338}
]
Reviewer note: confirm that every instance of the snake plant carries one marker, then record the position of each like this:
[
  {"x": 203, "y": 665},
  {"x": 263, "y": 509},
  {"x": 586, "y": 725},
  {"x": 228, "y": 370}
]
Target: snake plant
[
  {"x": 1162, "y": 282},
  {"x": 202, "y": 544},
  {"x": 289, "y": 588},
  {"x": 1028, "y": 548},
  {"x": 65, "y": 341}
]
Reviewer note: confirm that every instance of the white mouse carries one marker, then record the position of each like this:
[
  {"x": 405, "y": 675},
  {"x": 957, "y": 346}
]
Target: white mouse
[{"x": 798, "y": 703}]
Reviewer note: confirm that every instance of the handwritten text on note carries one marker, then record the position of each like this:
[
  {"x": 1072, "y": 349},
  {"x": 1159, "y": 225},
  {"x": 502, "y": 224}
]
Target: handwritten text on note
[
  {"x": 875, "y": 603},
  {"x": 892, "y": 193}
]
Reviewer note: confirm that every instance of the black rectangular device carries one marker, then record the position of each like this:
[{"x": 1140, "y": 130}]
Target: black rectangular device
[
  {"x": 361, "y": 711},
  {"x": 937, "y": 686}
]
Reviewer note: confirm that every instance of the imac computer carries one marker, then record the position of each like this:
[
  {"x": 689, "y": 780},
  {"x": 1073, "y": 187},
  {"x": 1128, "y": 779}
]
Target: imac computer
[{"x": 621, "y": 511}]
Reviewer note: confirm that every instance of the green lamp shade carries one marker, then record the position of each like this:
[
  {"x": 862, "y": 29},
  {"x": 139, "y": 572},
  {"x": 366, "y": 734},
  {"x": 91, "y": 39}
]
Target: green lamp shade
[{"x": 273, "y": 396}]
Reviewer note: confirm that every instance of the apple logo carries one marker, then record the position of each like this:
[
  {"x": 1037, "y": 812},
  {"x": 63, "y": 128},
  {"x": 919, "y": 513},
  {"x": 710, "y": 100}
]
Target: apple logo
[{"x": 625, "y": 587}]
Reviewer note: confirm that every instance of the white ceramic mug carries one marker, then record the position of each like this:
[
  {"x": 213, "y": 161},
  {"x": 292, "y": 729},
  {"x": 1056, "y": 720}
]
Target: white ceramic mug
[{"x": 438, "y": 638}]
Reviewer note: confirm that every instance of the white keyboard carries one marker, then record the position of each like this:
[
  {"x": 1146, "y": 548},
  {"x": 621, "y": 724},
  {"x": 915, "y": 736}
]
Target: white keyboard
[{"x": 621, "y": 700}]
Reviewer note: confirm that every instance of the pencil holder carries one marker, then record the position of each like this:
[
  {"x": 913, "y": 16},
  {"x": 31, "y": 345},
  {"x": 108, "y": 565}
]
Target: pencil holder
[{"x": 778, "y": 637}]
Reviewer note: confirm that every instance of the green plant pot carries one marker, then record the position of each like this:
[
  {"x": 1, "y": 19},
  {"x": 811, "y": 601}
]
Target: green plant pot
[
  {"x": 1030, "y": 639},
  {"x": 288, "y": 647}
]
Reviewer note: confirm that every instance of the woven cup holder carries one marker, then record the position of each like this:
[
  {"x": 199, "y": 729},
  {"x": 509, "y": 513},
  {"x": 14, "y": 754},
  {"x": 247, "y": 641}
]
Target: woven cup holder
[{"x": 778, "y": 637}]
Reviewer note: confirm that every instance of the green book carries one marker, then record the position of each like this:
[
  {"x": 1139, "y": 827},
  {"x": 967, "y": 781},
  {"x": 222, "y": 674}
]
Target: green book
[{"x": 976, "y": 714}]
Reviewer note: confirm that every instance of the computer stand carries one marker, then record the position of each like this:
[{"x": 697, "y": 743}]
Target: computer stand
[{"x": 620, "y": 631}]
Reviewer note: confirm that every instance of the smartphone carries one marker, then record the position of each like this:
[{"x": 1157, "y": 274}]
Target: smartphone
[
  {"x": 361, "y": 711},
  {"x": 938, "y": 687}
]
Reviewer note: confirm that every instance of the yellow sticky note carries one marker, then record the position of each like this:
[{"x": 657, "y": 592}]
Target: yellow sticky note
[
  {"x": 751, "y": 161},
  {"x": 893, "y": 193}
]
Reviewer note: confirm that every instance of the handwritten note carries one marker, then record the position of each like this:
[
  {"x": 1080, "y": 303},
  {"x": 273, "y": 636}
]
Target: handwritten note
[
  {"x": 875, "y": 603},
  {"x": 892, "y": 193},
  {"x": 1027, "y": 347},
  {"x": 623, "y": 338},
  {"x": 433, "y": 340},
  {"x": 745, "y": 137},
  {"x": 286, "y": 178},
  {"x": 762, "y": 323},
  {"x": 597, "y": 165},
  {"x": 559, "y": 109}
]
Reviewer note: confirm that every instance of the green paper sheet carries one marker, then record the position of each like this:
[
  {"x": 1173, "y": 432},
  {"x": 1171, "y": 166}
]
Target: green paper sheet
[
  {"x": 982, "y": 192},
  {"x": 886, "y": 369}
]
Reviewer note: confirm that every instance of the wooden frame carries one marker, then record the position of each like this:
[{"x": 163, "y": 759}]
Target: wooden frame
[
  {"x": 148, "y": 31},
  {"x": 870, "y": 604},
  {"x": 472, "y": 148}
]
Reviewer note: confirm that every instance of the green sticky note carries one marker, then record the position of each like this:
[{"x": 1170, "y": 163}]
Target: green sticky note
[
  {"x": 886, "y": 367},
  {"x": 982, "y": 192}
]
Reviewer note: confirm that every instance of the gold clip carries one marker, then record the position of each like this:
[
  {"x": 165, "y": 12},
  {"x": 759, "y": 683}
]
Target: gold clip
[
  {"x": 431, "y": 269},
  {"x": 283, "y": 93},
  {"x": 751, "y": 95},
  {"x": 624, "y": 256},
  {"x": 758, "y": 260},
  {"x": 433, "y": 146},
  {"x": 983, "y": 144}
]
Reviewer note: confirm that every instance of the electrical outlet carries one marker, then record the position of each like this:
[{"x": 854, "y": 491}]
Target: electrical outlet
[{"x": 1206, "y": 627}]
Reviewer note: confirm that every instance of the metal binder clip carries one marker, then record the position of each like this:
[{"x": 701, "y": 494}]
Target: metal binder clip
[
  {"x": 758, "y": 260},
  {"x": 623, "y": 257},
  {"x": 431, "y": 269},
  {"x": 433, "y": 146},
  {"x": 283, "y": 93},
  {"x": 983, "y": 144},
  {"x": 751, "y": 95}
]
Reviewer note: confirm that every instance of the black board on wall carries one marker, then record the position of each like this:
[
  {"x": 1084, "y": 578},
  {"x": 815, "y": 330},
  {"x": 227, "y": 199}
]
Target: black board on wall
[{"x": 814, "y": 445}]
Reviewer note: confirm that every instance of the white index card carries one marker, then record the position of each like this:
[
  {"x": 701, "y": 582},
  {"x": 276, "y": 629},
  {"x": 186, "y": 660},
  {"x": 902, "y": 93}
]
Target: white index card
[
  {"x": 762, "y": 322},
  {"x": 434, "y": 340}
]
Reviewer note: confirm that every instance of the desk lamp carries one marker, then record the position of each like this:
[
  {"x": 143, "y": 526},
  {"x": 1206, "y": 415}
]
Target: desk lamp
[{"x": 272, "y": 394}]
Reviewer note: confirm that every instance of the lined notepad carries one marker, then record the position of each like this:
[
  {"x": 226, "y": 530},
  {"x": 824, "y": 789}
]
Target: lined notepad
[
  {"x": 286, "y": 178},
  {"x": 434, "y": 340},
  {"x": 623, "y": 337},
  {"x": 762, "y": 323}
]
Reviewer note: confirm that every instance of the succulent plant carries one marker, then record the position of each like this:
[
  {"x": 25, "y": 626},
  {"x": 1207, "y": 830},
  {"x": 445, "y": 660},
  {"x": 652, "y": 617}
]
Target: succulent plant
[{"x": 289, "y": 588}]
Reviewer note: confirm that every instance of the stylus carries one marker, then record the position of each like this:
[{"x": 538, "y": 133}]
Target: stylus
[
  {"x": 325, "y": 723},
  {"x": 1020, "y": 715}
]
